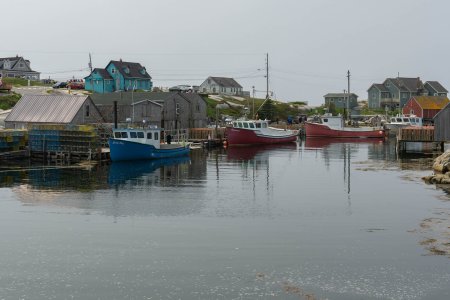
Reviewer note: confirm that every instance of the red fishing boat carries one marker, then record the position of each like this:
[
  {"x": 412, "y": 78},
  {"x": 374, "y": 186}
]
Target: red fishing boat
[
  {"x": 252, "y": 132},
  {"x": 333, "y": 126}
]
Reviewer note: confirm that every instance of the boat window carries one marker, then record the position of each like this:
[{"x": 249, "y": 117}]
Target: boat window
[
  {"x": 240, "y": 125},
  {"x": 264, "y": 125},
  {"x": 405, "y": 120},
  {"x": 258, "y": 125},
  {"x": 133, "y": 135},
  {"x": 117, "y": 135},
  {"x": 412, "y": 120},
  {"x": 252, "y": 125},
  {"x": 325, "y": 120},
  {"x": 245, "y": 125},
  {"x": 156, "y": 136},
  {"x": 140, "y": 134},
  {"x": 392, "y": 119},
  {"x": 235, "y": 124},
  {"x": 124, "y": 134},
  {"x": 149, "y": 135},
  {"x": 399, "y": 119}
]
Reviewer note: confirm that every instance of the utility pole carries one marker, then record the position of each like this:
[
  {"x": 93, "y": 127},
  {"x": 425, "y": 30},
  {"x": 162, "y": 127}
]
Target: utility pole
[
  {"x": 348, "y": 94},
  {"x": 267, "y": 75},
  {"x": 90, "y": 62},
  {"x": 253, "y": 110}
]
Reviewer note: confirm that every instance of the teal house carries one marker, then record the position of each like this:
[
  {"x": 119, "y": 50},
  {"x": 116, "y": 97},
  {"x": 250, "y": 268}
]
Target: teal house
[{"x": 118, "y": 76}]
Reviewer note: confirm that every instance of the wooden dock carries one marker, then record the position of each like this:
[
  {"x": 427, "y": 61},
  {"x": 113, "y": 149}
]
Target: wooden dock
[
  {"x": 207, "y": 137},
  {"x": 423, "y": 134}
]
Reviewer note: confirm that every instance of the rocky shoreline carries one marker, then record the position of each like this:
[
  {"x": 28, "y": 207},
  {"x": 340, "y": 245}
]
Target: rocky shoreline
[
  {"x": 436, "y": 230},
  {"x": 441, "y": 167}
]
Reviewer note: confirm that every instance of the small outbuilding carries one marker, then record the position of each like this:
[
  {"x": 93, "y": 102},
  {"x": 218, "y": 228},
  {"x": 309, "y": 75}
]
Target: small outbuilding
[
  {"x": 442, "y": 125},
  {"x": 53, "y": 109}
]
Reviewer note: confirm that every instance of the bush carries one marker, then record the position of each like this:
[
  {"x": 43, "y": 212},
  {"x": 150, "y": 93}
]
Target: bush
[{"x": 8, "y": 102}]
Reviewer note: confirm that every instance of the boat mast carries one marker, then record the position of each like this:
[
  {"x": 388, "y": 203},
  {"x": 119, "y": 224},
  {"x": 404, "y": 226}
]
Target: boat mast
[
  {"x": 348, "y": 95},
  {"x": 267, "y": 76}
]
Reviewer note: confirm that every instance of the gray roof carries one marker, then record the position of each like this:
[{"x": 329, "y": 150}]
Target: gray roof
[
  {"x": 46, "y": 109},
  {"x": 437, "y": 86},
  {"x": 126, "y": 98},
  {"x": 337, "y": 95},
  {"x": 407, "y": 84},
  {"x": 380, "y": 87},
  {"x": 134, "y": 69},
  {"x": 226, "y": 82},
  {"x": 103, "y": 73},
  {"x": 14, "y": 60}
]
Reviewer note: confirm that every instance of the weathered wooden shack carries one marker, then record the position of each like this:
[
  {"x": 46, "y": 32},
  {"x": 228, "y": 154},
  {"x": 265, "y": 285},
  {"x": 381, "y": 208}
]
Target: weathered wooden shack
[
  {"x": 442, "y": 125},
  {"x": 177, "y": 110},
  {"x": 136, "y": 112},
  {"x": 53, "y": 109}
]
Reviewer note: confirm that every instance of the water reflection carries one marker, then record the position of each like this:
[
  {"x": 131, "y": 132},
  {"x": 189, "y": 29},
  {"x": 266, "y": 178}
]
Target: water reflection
[{"x": 171, "y": 170}]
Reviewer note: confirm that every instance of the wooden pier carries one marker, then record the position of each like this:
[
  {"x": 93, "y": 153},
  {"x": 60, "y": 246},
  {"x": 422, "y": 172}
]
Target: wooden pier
[
  {"x": 417, "y": 135},
  {"x": 207, "y": 137}
]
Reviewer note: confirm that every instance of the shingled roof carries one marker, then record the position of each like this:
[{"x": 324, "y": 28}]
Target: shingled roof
[
  {"x": 432, "y": 102},
  {"x": 407, "y": 84},
  {"x": 130, "y": 69},
  {"x": 437, "y": 87},
  {"x": 226, "y": 82},
  {"x": 103, "y": 73},
  {"x": 380, "y": 87},
  {"x": 46, "y": 109}
]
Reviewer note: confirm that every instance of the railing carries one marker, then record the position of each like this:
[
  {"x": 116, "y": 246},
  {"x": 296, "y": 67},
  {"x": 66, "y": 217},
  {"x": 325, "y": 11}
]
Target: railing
[
  {"x": 203, "y": 134},
  {"x": 178, "y": 135}
]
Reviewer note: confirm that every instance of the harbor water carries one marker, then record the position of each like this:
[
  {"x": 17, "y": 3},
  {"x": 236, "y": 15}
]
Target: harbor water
[{"x": 316, "y": 219}]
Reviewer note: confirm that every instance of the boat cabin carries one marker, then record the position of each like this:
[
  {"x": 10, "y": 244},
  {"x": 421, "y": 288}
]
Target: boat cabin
[
  {"x": 150, "y": 136},
  {"x": 251, "y": 124},
  {"x": 336, "y": 122},
  {"x": 412, "y": 120}
]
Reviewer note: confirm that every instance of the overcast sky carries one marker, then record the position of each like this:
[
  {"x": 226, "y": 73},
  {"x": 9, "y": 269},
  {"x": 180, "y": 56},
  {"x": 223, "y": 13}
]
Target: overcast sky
[{"x": 311, "y": 44}]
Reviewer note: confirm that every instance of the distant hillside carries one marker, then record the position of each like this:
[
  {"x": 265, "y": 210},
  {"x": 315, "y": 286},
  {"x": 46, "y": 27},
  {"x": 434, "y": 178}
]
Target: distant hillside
[{"x": 238, "y": 106}]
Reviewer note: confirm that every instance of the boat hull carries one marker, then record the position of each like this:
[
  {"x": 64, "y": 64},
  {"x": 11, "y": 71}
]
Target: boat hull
[
  {"x": 321, "y": 130},
  {"x": 240, "y": 136},
  {"x": 126, "y": 150}
]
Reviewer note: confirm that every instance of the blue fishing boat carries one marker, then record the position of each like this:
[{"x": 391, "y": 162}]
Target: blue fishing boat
[{"x": 139, "y": 143}]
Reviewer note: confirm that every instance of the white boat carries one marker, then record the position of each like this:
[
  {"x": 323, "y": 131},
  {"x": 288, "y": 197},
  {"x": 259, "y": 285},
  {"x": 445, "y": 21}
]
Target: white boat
[{"x": 401, "y": 121}]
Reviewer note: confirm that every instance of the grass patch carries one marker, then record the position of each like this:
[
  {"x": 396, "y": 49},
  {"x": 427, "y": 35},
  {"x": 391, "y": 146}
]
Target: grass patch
[
  {"x": 22, "y": 82},
  {"x": 8, "y": 102}
]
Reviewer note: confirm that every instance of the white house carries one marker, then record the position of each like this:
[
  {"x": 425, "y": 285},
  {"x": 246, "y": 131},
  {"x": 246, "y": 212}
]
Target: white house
[{"x": 221, "y": 85}]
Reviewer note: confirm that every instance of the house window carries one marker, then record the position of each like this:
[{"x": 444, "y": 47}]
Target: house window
[
  {"x": 21, "y": 65},
  {"x": 113, "y": 70},
  {"x": 87, "y": 111},
  {"x": 197, "y": 107}
]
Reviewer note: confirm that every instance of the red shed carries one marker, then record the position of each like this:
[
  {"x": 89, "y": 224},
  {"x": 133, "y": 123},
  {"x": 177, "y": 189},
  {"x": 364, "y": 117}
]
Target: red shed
[{"x": 425, "y": 107}]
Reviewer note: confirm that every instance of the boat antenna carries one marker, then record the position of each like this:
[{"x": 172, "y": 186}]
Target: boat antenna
[{"x": 267, "y": 76}]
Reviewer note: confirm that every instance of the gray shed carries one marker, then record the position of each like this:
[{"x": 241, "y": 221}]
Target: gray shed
[
  {"x": 53, "y": 109},
  {"x": 442, "y": 125},
  {"x": 179, "y": 110}
]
